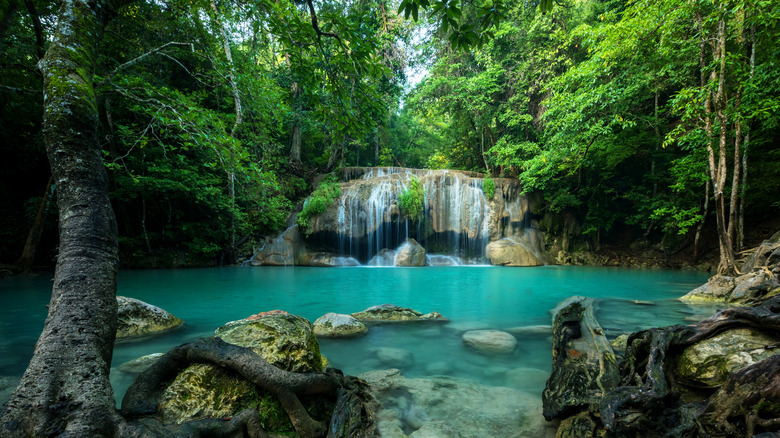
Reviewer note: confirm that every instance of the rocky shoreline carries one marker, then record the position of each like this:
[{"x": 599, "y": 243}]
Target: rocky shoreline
[{"x": 718, "y": 377}]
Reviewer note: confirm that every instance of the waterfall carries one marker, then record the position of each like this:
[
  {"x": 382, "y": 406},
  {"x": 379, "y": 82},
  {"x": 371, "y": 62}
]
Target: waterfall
[{"x": 459, "y": 221}]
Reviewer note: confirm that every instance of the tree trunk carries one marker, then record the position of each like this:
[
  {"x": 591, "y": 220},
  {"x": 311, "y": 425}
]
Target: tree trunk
[
  {"x": 705, "y": 210},
  {"x": 231, "y": 173},
  {"x": 65, "y": 389},
  {"x": 31, "y": 245},
  {"x": 745, "y": 149},
  {"x": 718, "y": 167},
  {"x": 296, "y": 138}
]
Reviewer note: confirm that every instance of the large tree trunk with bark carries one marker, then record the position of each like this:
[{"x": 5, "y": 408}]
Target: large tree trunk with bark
[{"x": 65, "y": 390}]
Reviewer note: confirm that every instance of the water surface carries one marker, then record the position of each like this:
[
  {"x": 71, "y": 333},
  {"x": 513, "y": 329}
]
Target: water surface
[{"x": 469, "y": 296}]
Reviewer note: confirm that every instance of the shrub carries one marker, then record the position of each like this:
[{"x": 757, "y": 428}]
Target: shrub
[
  {"x": 489, "y": 187},
  {"x": 412, "y": 200},
  {"x": 319, "y": 201}
]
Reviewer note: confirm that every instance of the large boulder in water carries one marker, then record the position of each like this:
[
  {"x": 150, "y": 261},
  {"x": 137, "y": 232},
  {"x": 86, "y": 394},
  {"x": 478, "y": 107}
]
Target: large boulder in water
[
  {"x": 203, "y": 390},
  {"x": 392, "y": 313},
  {"x": 451, "y": 407},
  {"x": 336, "y": 325},
  {"x": 490, "y": 341},
  {"x": 284, "y": 340},
  {"x": 709, "y": 363},
  {"x": 410, "y": 253},
  {"x": 753, "y": 286},
  {"x": 137, "y": 318},
  {"x": 509, "y": 252}
]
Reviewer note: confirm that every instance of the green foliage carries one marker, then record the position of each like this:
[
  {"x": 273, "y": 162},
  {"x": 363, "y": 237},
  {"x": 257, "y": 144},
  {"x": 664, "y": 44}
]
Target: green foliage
[
  {"x": 489, "y": 187},
  {"x": 412, "y": 200},
  {"x": 323, "y": 197}
]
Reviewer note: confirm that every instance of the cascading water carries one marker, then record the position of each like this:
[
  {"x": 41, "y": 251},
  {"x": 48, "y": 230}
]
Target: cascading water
[{"x": 459, "y": 221}]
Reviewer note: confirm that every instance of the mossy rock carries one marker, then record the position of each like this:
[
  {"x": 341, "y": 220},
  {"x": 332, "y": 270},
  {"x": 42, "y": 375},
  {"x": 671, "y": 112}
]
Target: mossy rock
[
  {"x": 393, "y": 313},
  {"x": 708, "y": 363},
  {"x": 285, "y": 341},
  {"x": 335, "y": 325},
  {"x": 136, "y": 318},
  {"x": 208, "y": 391}
]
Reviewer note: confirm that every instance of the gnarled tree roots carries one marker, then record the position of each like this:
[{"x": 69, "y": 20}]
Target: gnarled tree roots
[
  {"x": 352, "y": 417},
  {"x": 649, "y": 402}
]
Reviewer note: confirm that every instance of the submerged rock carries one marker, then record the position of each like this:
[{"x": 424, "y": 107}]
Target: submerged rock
[
  {"x": 336, "y": 325},
  {"x": 393, "y": 313},
  {"x": 490, "y": 341},
  {"x": 529, "y": 330},
  {"x": 467, "y": 326},
  {"x": 509, "y": 252},
  {"x": 137, "y": 318},
  {"x": 394, "y": 357},
  {"x": 136, "y": 366},
  {"x": 451, "y": 407},
  {"x": 708, "y": 363},
  {"x": 7, "y": 386},
  {"x": 584, "y": 365}
]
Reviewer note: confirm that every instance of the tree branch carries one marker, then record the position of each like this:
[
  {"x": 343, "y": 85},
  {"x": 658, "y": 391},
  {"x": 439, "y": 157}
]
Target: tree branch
[{"x": 139, "y": 58}]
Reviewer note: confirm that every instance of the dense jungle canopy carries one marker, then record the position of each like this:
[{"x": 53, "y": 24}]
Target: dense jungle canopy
[{"x": 214, "y": 116}]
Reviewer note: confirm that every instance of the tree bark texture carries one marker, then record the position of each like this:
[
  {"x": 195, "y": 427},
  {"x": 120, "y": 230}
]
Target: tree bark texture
[{"x": 65, "y": 390}]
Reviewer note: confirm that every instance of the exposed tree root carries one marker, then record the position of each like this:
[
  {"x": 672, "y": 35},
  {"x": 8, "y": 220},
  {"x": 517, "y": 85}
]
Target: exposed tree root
[
  {"x": 747, "y": 403},
  {"x": 354, "y": 406}
]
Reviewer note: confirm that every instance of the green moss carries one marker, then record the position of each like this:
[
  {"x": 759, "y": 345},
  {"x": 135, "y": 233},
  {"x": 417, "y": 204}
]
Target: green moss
[
  {"x": 319, "y": 201},
  {"x": 768, "y": 409},
  {"x": 412, "y": 201}
]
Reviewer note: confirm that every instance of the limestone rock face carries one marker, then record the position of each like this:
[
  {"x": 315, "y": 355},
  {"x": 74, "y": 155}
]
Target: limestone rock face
[
  {"x": 325, "y": 260},
  {"x": 335, "y": 325},
  {"x": 285, "y": 341},
  {"x": 137, "y": 318},
  {"x": 508, "y": 252},
  {"x": 435, "y": 407},
  {"x": 393, "y": 313},
  {"x": 717, "y": 288},
  {"x": 281, "y": 251},
  {"x": 709, "y": 362},
  {"x": 490, "y": 341},
  {"x": 410, "y": 253},
  {"x": 756, "y": 285},
  {"x": 768, "y": 253}
]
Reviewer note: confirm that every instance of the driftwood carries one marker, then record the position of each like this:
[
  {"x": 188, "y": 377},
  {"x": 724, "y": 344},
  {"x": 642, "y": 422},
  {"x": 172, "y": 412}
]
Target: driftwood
[
  {"x": 584, "y": 365},
  {"x": 353, "y": 415}
]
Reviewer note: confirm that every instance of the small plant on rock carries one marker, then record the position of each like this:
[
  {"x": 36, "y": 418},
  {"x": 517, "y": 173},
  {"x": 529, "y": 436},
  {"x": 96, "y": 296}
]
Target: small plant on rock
[{"x": 412, "y": 200}]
